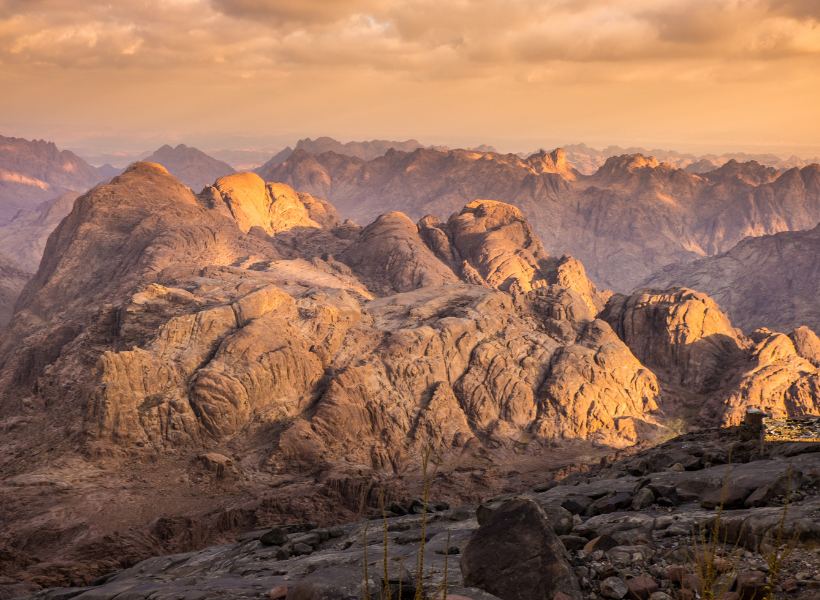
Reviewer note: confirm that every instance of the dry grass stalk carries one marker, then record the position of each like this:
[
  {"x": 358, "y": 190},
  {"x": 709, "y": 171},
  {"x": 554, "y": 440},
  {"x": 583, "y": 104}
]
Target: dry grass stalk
[
  {"x": 428, "y": 482},
  {"x": 366, "y": 576},
  {"x": 715, "y": 577},
  {"x": 386, "y": 595},
  {"x": 776, "y": 552}
]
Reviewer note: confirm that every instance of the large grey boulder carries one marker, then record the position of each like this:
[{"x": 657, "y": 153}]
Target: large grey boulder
[{"x": 516, "y": 555}]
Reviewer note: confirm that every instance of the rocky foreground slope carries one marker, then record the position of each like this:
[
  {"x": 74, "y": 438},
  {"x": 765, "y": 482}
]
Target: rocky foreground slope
[
  {"x": 626, "y": 528},
  {"x": 185, "y": 366},
  {"x": 629, "y": 219}
]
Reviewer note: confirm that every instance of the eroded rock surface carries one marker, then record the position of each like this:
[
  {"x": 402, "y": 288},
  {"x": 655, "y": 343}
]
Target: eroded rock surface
[{"x": 689, "y": 343}]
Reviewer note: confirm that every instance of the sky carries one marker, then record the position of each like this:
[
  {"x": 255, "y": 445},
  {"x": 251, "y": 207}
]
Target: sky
[{"x": 692, "y": 75}]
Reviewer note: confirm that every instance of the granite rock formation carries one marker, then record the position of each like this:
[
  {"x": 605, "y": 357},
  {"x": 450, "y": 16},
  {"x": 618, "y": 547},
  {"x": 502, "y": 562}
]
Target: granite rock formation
[
  {"x": 247, "y": 321},
  {"x": 689, "y": 343},
  {"x": 768, "y": 281},
  {"x": 633, "y": 216},
  {"x": 33, "y": 172},
  {"x": 192, "y": 167}
]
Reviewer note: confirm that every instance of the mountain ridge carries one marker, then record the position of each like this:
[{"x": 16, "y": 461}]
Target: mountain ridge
[
  {"x": 34, "y": 171},
  {"x": 632, "y": 217}
]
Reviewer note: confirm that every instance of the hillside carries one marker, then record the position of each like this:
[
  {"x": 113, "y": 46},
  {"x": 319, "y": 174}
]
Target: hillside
[
  {"x": 32, "y": 172},
  {"x": 769, "y": 281}
]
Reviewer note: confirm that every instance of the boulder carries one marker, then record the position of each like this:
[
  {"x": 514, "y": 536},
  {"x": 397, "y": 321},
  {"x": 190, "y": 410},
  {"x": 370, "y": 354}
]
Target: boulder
[
  {"x": 732, "y": 497},
  {"x": 274, "y": 537},
  {"x": 641, "y": 587},
  {"x": 643, "y": 499},
  {"x": 516, "y": 555},
  {"x": 751, "y": 585},
  {"x": 781, "y": 485}
]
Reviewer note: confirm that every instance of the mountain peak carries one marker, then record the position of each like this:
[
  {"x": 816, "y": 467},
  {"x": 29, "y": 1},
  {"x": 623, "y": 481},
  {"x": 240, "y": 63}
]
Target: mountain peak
[{"x": 191, "y": 166}]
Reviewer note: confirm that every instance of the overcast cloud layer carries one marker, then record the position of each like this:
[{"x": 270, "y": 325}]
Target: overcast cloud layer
[{"x": 699, "y": 73}]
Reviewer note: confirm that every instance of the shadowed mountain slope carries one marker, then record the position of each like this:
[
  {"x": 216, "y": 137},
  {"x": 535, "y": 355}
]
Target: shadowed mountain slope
[
  {"x": 32, "y": 172},
  {"x": 12, "y": 280}
]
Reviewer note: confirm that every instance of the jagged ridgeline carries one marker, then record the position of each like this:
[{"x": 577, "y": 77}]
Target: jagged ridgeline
[
  {"x": 250, "y": 329},
  {"x": 630, "y": 218}
]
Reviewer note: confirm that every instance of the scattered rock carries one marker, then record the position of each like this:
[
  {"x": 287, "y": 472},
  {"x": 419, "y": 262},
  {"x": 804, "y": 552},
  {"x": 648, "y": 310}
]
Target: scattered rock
[
  {"x": 614, "y": 588},
  {"x": 641, "y": 587}
]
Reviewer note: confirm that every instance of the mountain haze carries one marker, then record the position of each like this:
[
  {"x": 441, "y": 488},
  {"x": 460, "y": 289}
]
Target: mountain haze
[
  {"x": 192, "y": 167},
  {"x": 32, "y": 172}
]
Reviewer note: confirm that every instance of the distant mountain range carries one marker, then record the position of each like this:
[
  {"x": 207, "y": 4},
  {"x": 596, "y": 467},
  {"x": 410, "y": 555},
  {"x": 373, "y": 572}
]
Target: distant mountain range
[
  {"x": 634, "y": 216},
  {"x": 587, "y": 160},
  {"x": 32, "y": 172}
]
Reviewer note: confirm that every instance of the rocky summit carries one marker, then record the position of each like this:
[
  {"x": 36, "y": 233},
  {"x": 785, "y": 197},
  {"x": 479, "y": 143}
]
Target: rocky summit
[{"x": 184, "y": 368}]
